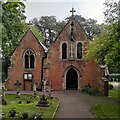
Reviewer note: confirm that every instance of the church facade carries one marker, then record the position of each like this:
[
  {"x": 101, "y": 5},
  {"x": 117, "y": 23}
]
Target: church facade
[{"x": 64, "y": 64}]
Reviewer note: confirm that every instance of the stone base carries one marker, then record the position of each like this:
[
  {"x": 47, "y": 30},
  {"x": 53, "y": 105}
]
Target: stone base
[
  {"x": 43, "y": 102},
  {"x": 18, "y": 95},
  {"x": 42, "y": 105}
]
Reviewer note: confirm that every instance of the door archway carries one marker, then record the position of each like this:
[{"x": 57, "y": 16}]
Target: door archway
[{"x": 71, "y": 79}]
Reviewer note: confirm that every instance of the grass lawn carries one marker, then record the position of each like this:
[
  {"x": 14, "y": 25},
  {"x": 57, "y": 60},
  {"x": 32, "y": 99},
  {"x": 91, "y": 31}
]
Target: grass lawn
[
  {"x": 108, "y": 110},
  {"x": 30, "y": 108}
]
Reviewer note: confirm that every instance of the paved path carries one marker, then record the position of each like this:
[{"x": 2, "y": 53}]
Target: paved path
[{"x": 73, "y": 104}]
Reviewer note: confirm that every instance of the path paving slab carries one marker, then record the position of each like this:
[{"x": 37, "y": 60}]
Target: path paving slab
[{"x": 72, "y": 105}]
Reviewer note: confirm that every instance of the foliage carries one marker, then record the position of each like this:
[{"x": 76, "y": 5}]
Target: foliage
[
  {"x": 49, "y": 27},
  {"x": 90, "y": 90},
  {"x": 4, "y": 102},
  {"x": 12, "y": 28},
  {"x": 33, "y": 116},
  {"x": 102, "y": 48},
  {"x": 20, "y": 102},
  {"x": 24, "y": 115},
  {"x": 28, "y": 101},
  {"x": 105, "y": 47},
  {"x": 108, "y": 111},
  {"x": 12, "y": 21},
  {"x": 110, "y": 86},
  {"x": 12, "y": 112},
  {"x": 90, "y": 26},
  {"x": 30, "y": 108},
  {"x": 112, "y": 11},
  {"x": 35, "y": 31}
]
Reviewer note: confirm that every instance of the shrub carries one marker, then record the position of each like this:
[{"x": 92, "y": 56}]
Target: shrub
[
  {"x": 4, "y": 102},
  {"x": 36, "y": 117},
  {"x": 39, "y": 117},
  {"x": 20, "y": 102},
  {"x": 28, "y": 101},
  {"x": 12, "y": 112},
  {"x": 110, "y": 86},
  {"x": 90, "y": 90},
  {"x": 33, "y": 116},
  {"x": 24, "y": 115}
]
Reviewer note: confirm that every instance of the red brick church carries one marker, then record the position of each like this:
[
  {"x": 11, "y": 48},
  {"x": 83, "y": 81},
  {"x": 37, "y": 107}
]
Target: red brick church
[{"x": 63, "y": 64}]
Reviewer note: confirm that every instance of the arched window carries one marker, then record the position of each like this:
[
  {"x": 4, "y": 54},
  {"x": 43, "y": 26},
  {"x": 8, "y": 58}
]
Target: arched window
[
  {"x": 64, "y": 51},
  {"x": 29, "y": 59},
  {"x": 79, "y": 50}
]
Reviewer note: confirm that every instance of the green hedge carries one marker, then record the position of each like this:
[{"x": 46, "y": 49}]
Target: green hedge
[{"x": 90, "y": 90}]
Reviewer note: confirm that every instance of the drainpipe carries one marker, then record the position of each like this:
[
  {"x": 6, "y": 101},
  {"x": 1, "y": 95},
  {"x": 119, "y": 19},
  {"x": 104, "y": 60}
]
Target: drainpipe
[{"x": 45, "y": 56}]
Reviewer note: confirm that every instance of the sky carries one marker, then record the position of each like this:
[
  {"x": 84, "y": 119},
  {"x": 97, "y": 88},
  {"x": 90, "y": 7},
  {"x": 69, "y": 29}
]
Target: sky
[{"x": 61, "y": 9}]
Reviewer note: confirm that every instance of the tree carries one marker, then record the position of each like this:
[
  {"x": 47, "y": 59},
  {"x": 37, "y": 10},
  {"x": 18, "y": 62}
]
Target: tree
[
  {"x": 50, "y": 28},
  {"x": 12, "y": 28},
  {"x": 105, "y": 48},
  {"x": 112, "y": 11},
  {"x": 90, "y": 26},
  {"x": 35, "y": 31},
  {"x": 46, "y": 24}
]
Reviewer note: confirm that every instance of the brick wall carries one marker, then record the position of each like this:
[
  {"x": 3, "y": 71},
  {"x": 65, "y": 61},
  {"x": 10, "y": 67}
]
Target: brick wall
[
  {"x": 17, "y": 69},
  {"x": 89, "y": 71},
  {"x": 55, "y": 68}
]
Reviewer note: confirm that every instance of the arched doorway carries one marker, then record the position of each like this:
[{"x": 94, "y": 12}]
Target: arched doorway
[{"x": 71, "y": 79}]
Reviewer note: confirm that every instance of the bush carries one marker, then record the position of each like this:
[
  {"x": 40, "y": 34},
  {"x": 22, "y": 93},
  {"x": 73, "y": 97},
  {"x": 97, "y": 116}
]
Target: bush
[
  {"x": 20, "y": 102},
  {"x": 33, "y": 116},
  {"x": 39, "y": 117},
  {"x": 4, "y": 102},
  {"x": 90, "y": 90},
  {"x": 24, "y": 115},
  {"x": 110, "y": 86},
  {"x": 36, "y": 117},
  {"x": 12, "y": 112},
  {"x": 28, "y": 101},
  {"x": 4, "y": 76}
]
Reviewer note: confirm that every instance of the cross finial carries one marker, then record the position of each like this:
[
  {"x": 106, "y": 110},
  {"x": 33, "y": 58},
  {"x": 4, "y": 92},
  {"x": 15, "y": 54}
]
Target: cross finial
[{"x": 72, "y": 11}]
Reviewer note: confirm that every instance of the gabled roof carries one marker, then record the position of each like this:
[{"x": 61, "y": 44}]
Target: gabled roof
[
  {"x": 72, "y": 17},
  {"x": 44, "y": 48}
]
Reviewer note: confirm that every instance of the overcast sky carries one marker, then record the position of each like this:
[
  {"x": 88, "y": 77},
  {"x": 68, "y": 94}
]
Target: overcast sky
[{"x": 61, "y": 9}]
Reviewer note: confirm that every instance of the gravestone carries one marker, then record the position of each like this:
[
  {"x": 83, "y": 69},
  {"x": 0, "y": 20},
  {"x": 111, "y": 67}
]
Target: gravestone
[
  {"x": 44, "y": 85},
  {"x": 43, "y": 102},
  {"x": 49, "y": 89},
  {"x": 4, "y": 102},
  {"x": 34, "y": 83},
  {"x": 17, "y": 84}
]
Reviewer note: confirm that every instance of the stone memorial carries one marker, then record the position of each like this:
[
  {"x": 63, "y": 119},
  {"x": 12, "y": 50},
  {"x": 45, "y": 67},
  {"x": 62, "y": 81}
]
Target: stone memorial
[
  {"x": 43, "y": 102},
  {"x": 4, "y": 102},
  {"x": 17, "y": 84},
  {"x": 34, "y": 83}
]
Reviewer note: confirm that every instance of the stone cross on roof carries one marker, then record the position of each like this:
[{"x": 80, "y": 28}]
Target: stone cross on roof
[{"x": 72, "y": 11}]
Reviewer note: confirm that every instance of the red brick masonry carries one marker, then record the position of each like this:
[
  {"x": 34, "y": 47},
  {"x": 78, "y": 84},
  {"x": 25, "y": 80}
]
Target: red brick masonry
[{"x": 54, "y": 68}]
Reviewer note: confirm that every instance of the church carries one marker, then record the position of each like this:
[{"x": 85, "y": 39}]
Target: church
[{"x": 64, "y": 64}]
